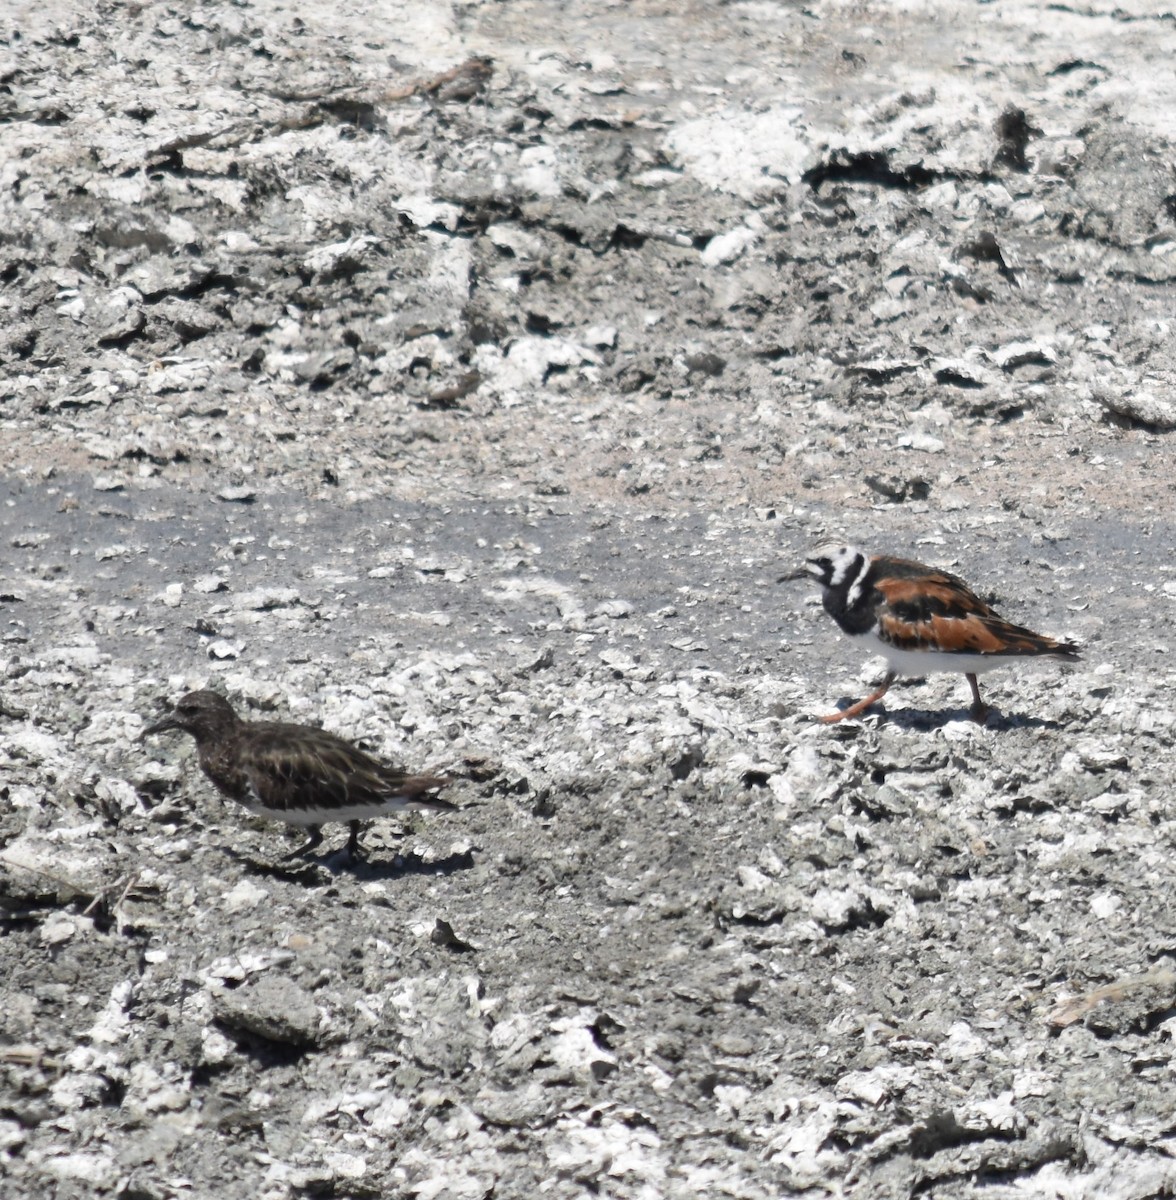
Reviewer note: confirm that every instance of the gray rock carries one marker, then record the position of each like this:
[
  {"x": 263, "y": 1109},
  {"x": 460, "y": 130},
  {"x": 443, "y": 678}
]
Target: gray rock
[{"x": 273, "y": 1007}]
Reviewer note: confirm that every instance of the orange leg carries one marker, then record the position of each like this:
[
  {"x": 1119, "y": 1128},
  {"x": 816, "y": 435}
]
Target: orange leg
[
  {"x": 860, "y": 707},
  {"x": 980, "y": 710}
]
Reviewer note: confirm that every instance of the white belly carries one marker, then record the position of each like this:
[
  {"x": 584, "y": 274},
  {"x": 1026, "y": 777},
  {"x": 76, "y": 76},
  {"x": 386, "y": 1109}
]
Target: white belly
[
  {"x": 319, "y": 816},
  {"x": 907, "y": 663}
]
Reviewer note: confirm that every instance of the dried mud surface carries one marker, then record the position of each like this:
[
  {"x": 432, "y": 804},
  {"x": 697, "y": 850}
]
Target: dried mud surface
[{"x": 463, "y": 378}]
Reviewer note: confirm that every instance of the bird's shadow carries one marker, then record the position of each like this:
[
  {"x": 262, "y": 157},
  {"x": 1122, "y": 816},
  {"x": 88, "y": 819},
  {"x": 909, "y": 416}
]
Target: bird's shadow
[
  {"x": 314, "y": 869},
  {"x": 411, "y": 864},
  {"x": 937, "y": 718}
]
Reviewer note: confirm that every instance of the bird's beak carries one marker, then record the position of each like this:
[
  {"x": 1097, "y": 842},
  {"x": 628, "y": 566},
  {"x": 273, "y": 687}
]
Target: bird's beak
[
  {"x": 802, "y": 572},
  {"x": 160, "y": 726}
]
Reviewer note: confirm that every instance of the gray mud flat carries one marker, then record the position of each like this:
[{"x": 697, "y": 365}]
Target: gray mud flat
[{"x": 463, "y": 378}]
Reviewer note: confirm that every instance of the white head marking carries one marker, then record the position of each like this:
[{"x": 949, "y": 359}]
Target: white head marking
[{"x": 832, "y": 566}]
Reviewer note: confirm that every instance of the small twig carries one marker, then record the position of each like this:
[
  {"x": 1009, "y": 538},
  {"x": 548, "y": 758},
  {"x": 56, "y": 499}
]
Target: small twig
[
  {"x": 60, "y": 880},
  {"x": 28, "y": 1056},
  {"x": 103, "y": 893},
  {"x": 1067, "y": 1012},
  {"x": 463, "y": 82}
]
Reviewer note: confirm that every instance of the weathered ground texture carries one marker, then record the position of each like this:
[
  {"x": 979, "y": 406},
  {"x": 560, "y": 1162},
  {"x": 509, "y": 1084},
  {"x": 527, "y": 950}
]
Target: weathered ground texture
[{"x": 463, "y": 377}]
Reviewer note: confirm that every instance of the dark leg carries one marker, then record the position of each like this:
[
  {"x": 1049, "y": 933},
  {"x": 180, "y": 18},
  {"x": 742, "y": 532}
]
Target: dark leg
[
  {"x": 860, "y": 707},
  {"x": 980, "y": 710},
  {"x": 353, "y": 840},
  {"x": 313, "y": 841}
]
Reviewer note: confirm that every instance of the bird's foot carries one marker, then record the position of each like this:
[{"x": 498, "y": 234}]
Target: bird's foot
[
  {"x": 313, "y": 842},
  {"x": 860, "y": 707},
  {"x": 842, "y": 715},
  {"x": 980, "y": 710}
]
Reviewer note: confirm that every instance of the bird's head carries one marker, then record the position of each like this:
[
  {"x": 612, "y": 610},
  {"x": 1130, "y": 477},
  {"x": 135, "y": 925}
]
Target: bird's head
[
  {"x": 832, "y": 565},
  {"x": 202, "y": 714}
]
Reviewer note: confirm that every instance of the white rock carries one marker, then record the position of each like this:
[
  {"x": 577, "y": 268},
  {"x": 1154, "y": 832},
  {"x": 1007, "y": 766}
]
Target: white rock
[
  {"x": 120, "y": 792},
  {"x": 748, "y": 154},
  {"x": 244, "y": 896},
  {"x": 833, "y": 906},
  {"x": 731, "y": 1097},
  {"x": 215, "y": 1047},
  {"x": 34, "y": 745},
  {"x": 1016, "y": 354},
  {"x": 1143, "y": 407},
  {"x": 327, "y": 258},
  {"x": 345, "y": 1166},
  {"x": 265, "y": 598},
  {"x": 94, "y": 1169},
  {"x": 424, "y": 211},
  {"x": 601, "y": 336},
  {"x": 963, "y": 1043},
  {"x": 575, "y": 1047},
  {"x": 538, "y": 171},
  {"x": 518, "y": 241},
  {"x": 56, "y": 930},
  {"x": 223, "y": 649},
  {"x": 918, "y": 440},
  {"x": 181, "y": 376},
  {"x": 727, "y": 247}
]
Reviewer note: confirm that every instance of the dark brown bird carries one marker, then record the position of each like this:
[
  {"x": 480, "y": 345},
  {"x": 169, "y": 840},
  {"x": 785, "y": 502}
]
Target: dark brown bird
[{"x": 296, "y": 773}]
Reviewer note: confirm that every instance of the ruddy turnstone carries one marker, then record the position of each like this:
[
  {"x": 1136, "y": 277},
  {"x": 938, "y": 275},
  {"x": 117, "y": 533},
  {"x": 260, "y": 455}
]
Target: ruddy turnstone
[
  {"x": 920, "y": 619},
  {"x": 295, "y": 773}
]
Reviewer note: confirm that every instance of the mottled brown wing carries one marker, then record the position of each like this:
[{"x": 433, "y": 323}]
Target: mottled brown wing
[
  {"x": 926, "y": 609},
  {"x": 293, "y": 767},
  {"x": 973, "y": 634},
  {"x": 918, "y": 591}
]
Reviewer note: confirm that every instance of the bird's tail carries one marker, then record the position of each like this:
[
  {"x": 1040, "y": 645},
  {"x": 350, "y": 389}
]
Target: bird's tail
[{"x": 1020, "y": 641}]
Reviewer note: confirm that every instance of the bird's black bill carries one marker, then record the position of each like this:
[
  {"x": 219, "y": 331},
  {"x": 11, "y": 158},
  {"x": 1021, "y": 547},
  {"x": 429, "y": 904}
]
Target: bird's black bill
[{"x": 161, "y": 726}]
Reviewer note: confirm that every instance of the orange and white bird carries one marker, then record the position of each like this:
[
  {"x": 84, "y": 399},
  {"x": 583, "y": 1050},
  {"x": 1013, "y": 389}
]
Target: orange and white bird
[{"x": 920, "y": 619}]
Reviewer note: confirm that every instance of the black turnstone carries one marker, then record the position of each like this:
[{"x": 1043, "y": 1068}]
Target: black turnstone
[
  {"x": 920, "y": 619},
  {"x": 296, "y": 773}
]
